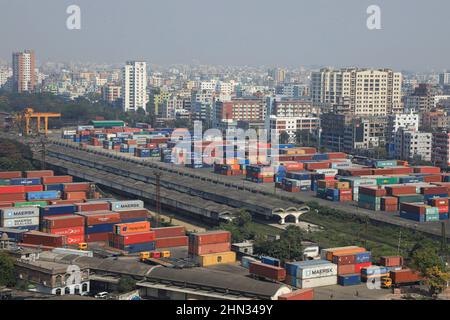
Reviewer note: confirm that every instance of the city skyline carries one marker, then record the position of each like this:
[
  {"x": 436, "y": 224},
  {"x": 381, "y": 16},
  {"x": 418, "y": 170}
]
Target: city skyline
[{"x": 171, "y": 33}]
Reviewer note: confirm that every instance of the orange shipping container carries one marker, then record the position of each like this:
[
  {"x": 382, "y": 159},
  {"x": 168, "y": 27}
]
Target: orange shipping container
[
  {"x": 76, "y": 195},
  {"x": 10, "y": 174},
  {"x": 302, "y": 294},
  {"x": 330, "y": 254},
  {"x": 209, "y": 248},
  {"x": 12, "y": 197},
  {"x": 126, "y": 228},
  {"x": 57, "y": 179},
  {"x": 39, "y": 174},
  {"x": 210, "y": 237}
]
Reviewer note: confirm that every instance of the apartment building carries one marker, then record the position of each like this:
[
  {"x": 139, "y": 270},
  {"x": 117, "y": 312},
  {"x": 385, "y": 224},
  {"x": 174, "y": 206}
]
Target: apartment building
[
  {"x": 24, "y": 73},
  {"x": 411, "y": 144},
  {"x": 370, "y": 92},
  {"x": 365, "y": 133},
  {"x": 421, "y": 100},
  {"x": 111, "y": 93},
  {"x": 250, "y": 110},
  {"x": 134, "y": 86},
  {"x": 291, "y": 125},
  {"x": 440, "y": 155}
]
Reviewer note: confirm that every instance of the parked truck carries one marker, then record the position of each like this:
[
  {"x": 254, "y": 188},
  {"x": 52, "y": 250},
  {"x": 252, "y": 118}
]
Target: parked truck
[{"x": 401, "y": 278}]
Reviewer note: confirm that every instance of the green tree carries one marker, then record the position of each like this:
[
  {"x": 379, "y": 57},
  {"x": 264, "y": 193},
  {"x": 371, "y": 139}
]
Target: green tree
[
  {"x": 288, "y": 247},
  {"x": 239, "y": 227},
  {"x": 425, "y": 256},
  {"x": 7, "y": 273},
  {"x": 126, "y": 284},
  {"x": 436, "y": 279}
]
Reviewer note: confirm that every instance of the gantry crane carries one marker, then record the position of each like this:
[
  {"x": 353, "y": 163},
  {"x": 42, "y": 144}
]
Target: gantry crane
[{"x": 28, "y": 114}]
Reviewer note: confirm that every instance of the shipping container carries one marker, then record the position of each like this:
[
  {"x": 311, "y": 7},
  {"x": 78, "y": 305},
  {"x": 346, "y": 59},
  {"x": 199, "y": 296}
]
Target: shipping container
[
  {"x": 133, "y": 238},
  {"x": 209, "y": 248},
  {"x": 169, "y": 232},
  {"x": 19, "y": 222},
  {"x": 210, "y": 237},
  {"x": 267, "y": 271},
  {"x": 39, "y": 174},
  {"x": 92, "y": 206},
  {"x": 391, "y": 261},
  {"x": 316, "y": 282},
  {"x": 126, "y": 205},
  {"x": 18, "y": 212},
  {"x": 10, "y": 174},
  {"x": 62, "y": 221},
  {"x": 45, "y": 239},
  {"x": 349, "y": 279},
  {"x": 302, "y": 294},
  {"x": 180, "y": 241},
  {"x": 126, "y": 228}
]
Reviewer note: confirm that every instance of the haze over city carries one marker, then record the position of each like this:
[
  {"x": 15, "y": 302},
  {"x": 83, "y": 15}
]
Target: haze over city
[{"x": 286, "y": 32}]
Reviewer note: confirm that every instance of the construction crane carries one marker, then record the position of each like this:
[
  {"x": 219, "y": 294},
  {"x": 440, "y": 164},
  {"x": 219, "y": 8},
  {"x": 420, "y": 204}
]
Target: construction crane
[{"x": 25, "y": 117}]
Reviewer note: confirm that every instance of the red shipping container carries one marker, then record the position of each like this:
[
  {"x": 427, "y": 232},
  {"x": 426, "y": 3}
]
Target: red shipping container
[
  {"x": 382, "y": 171},
  {"x": 11, "y": 189},
  {"x": 171, "y": 242},
  {"x": 6, "y": 204},
  {"x": 432, "y": 178},
  {"x": 428, "y": 170},
  {"x": 97, "y": 237},
  {"x": 134, "y": 214},
  {"x": 433, "y": 190},
  {"x": 63, "y": 221},
  {"x": 99, "y": 217},
  {"x": 443, "y": 209},
  {"x": 69, "y": 232},
  {"x": 386, "y": 201},
  {"x": 10, "y": 174},
  {"x": 75, "y": 195},
  {"x": 372, "y": 191},
  {"x": 39, "y": 173},
  {"x": 343, "y": 259},
  {"x": 56, "y": 202},
  {"x": 57, "y": 179},
  {"x": 400, "y": 190},
  {"x": 440, "y": 202},
  {"x": 391, "y": 261},
  {"x": 77, "y": 187},
  {"x": 45, "y": 239},
  {"x": 267, "y": 271},
  {"x": 359, "y": 266},
  {"x": 34, "y": 188},
  {"x": 12, "y": 197},
  {"x": 169, "y": 232},
  {"x": 405, "y": 276},
  {"x": 93, "y": 206},
  {"x": 317, "y": 165},
  {"x": 133, "y": 238},
  {"x": 337, "y": 155},
  {"x": 302, "y": 294},
  {"x": 346, "y": 269},
  {"x": 211, "y": 237},
  {"x": 389, "y": 208},
  {"x": 209, "y": 248},
  {"x": 403, "y": 170}
]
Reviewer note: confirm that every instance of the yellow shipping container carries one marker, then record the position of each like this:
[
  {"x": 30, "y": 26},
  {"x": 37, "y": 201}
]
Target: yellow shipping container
[
  {"x": 330, "y": 254},
  {"x": 217, "y": 258},
  {"x": 341, "y": 185}
]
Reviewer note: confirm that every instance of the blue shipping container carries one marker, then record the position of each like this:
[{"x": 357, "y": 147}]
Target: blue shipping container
[
  {"x": 349, "y": 280},
  {"x": 57, "y": 210},
  {"x": 42, "y": 195},
  {"x": 363, "y": 257},
  {"x": 54, "y": 187},
  {"x": 270, "y": 261},
  {"x": 100, "y": 228},
  {"x": 25, "y": 182},
  {"x": 140, "y": 247}
]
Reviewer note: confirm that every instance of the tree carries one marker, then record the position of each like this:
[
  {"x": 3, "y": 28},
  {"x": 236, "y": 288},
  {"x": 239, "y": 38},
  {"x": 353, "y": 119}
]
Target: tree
[
  {"x": 7, "y": 273},
  {"x": 288, "y": 247},
  {"x": 239, "y": 227},
  {"x": 436, "y": 279},
  {"x": 425, "y": 256},
  {"x": 126, "y": 284}
]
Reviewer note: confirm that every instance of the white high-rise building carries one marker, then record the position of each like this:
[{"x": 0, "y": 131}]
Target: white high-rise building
[
  {"x": 370, "y": 92},
  {"x": 134, "y": 86}
]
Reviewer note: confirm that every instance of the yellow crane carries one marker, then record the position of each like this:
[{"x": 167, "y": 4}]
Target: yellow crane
[{"x": 28, "y": 114}]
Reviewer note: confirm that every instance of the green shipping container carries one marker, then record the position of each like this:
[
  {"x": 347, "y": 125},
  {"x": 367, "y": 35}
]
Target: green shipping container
[
  {"x": 108, "y": 124},
  {"x": 4, "y": 182},
  {"x": 31, "y": 204},
  {"x": 432, "y": 217},
  {"x": 410, "y": 198},
  {"x": 387, "y": 180},
  {"x": 369, "y": 199},
  {"x": 385, "y": 163}
]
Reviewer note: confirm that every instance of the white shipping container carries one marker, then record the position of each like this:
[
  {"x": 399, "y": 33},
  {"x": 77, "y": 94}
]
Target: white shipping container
[
  {"x": 69, "y": 132},
  {"x": 81, "y": 128},
  {"x": 81, "y": 253},
  {"x": 126, "y": 205},
  {"x": 19, "y": 212},
  {"x": 20, "y": 222},
  {"x": 327, "y": 172},
  {"x": 319, "y": 270},
  {"x": 304, "y": 183},
  {"x": 317, "y": 282}
]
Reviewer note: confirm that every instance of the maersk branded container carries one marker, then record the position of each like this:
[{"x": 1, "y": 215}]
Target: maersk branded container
[
  {"x": 20, "y": 222},
  {"x": 43, "y": 195},
  {"x": 314, "y": 269},
  {"x": 21, "y": 212},
  {"x": 317, "y": 282},
  {"x": 349, "y": 279},
  {"x": 126, "y": 205}
]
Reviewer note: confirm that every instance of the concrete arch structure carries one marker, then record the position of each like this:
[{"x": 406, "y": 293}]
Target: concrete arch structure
[{"x": 290, "y": 212}]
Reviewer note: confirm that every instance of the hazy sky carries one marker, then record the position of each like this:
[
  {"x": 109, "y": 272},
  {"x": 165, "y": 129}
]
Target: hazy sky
[{"x": 415, "y": 34}]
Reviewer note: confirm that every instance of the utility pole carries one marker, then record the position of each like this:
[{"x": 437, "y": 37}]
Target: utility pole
[{"x": 158, "y": 197}]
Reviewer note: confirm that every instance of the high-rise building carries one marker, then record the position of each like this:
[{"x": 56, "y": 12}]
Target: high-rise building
[
  {"x": 422, "y": 99},
  {"x": 134, "y": 86},
  {"x": 370, "y": 92},
  {"x": 440, "y": 155},
  {"x": 111, "y": 93},
  {"x": 444, "y": 78},
  {"x": 411, "y": 144},
  {"x": 24, "y": 73}
]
